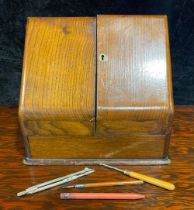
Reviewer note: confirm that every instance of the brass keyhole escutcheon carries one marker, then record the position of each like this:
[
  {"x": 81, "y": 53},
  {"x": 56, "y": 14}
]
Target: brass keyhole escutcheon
[{"x": 103, "y": 57}]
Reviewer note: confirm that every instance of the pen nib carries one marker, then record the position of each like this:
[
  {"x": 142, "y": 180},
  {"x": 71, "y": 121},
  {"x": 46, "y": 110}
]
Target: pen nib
[{"x": 71, "y": 186}]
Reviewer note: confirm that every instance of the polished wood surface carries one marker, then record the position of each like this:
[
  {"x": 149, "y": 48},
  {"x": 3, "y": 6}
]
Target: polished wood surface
[
  {"x": 15, "y": 176},
  {"x": 120, "y": 108},
  {"x": 95, "y": 147},
  {"x": 134, "y": 86},
  {"x": 58, "y": 82},
  {"x": 55, "y": 128}
]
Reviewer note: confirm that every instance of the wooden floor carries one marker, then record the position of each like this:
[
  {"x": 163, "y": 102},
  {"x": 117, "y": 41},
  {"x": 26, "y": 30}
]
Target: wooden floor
[{"x": 15, "y": 177}]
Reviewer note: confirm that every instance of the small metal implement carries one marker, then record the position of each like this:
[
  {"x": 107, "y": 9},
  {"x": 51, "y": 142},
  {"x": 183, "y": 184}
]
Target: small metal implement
[{"x": 55, "y": 182}]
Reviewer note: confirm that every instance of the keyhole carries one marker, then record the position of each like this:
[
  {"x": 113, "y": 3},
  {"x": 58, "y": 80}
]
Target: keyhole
[{"x": 103, "y": 57}]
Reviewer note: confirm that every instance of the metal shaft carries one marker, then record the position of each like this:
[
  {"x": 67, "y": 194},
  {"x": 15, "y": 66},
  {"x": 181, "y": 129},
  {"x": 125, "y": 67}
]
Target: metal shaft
[{"x": 112, "y": 167}]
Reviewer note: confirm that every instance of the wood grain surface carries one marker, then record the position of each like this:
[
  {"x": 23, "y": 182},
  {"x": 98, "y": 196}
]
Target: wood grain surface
[
  {"x": 131, "y": 96},
  {"x": 96, "y": 147},
  {"x": 58, "y": 81},
  {"x": 134, "y": 78},
  {"x": 15, "y": 177}
]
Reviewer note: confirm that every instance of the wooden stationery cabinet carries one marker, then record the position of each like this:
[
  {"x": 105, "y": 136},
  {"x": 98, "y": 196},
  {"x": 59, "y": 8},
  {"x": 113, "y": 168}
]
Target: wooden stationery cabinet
[{"x": 96, "y": 90}]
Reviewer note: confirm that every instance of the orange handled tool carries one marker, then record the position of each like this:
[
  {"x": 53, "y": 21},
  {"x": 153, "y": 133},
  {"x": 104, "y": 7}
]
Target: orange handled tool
[
  {"x": 148, "y": 179},
  {"x": 104, "y": 184}
]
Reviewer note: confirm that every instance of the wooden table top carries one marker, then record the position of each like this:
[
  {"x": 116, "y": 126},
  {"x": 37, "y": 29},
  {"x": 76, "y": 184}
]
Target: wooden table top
[{"x": 15, "y": 176}]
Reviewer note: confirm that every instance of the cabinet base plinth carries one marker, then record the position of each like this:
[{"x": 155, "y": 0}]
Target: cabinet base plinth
[{"x": 29, "y": 161}]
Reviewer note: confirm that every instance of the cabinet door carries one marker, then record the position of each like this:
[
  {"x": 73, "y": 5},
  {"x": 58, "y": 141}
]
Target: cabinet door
[
  {"x": 134, "y": 90},
  {"x": 58, "y": 83}
]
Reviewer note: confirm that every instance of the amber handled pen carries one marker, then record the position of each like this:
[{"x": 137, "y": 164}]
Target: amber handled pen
[
  {"x": 148, "y": 179},
  {"x": 104, "y": 184},
  {"x": 101, "y": 196}
]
